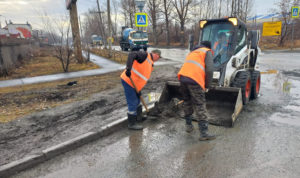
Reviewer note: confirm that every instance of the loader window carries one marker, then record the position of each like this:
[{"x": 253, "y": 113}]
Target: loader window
[
  {"x": 241, "y": 39},
  {"x": 220, "y": 36}
]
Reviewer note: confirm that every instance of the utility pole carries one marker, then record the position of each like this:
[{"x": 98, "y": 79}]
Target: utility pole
[
  {"x": 109, "y": 27},
  {"x": 101, "y": 23},
  {"x": 72, "y": 7}
]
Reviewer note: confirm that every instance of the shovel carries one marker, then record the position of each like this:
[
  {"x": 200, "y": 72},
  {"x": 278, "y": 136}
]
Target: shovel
[{"x": 142, "y": 100}]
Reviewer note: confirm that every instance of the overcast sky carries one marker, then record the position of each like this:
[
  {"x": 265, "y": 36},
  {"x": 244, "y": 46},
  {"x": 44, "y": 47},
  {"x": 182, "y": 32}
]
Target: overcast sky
[{"x": 21, "y": 11}]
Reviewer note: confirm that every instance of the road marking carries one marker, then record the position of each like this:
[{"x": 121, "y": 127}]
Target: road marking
[{"x": 269, "y": 72}]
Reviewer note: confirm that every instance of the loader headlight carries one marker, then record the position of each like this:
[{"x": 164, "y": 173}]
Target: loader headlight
[
  {"x": 202, "y": 23},
  {"x": 234, "y": 21}
]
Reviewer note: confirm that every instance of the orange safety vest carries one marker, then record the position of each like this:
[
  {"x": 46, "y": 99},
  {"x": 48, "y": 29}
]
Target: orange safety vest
[
  {"x": 140, "y": 73},
  {"x": 215, "y": 45},
  {"x": 194, "y": 66}
]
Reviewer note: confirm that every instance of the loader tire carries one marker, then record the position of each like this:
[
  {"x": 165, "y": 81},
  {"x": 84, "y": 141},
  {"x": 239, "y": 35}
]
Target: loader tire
[
  {"x": 243, "y": 80},
  {"x": 255, "y": 80}
]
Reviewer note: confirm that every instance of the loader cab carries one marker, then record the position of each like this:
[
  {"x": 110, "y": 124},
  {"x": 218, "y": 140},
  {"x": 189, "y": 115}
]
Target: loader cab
[{"x": 227, "y": 37}]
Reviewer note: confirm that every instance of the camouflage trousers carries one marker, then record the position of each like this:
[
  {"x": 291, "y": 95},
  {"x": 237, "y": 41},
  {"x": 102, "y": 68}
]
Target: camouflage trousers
[{"x": 194, "y": 100}]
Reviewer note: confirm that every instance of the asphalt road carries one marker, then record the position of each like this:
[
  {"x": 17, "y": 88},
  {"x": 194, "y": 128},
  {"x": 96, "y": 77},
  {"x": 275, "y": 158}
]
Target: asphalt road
[
  {"x": 264, "y": 142},
  {"x": 175, "y": 54}
]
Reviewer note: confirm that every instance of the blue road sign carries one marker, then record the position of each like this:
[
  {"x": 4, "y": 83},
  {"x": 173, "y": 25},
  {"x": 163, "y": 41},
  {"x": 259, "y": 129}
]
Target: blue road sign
[
  {"x": 141, "y": 20},
  {"x": 295, "y": 12}
]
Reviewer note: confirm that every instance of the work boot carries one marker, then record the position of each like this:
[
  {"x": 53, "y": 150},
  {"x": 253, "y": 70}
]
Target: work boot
[
  {"x": 140, "y": 116},
  {"x": 203, "y": 127},
  {"x": 132, "y": 125},
  {"x": 188, "y": 124}
]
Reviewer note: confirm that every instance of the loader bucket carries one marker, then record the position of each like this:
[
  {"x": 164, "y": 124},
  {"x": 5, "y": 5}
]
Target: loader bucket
[{"x": 223, "y": 103}]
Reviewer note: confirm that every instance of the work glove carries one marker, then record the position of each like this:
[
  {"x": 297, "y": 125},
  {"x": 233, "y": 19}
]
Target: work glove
[
  {"x": 139, "y": 94},
  {"x": 128, "y": 73}
]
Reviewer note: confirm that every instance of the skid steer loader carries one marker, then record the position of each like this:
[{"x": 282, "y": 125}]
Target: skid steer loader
[{"x": 236, "y": 79}]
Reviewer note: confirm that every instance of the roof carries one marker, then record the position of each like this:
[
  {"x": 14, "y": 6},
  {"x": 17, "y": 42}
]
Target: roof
[{"x": 240, "y": 22}]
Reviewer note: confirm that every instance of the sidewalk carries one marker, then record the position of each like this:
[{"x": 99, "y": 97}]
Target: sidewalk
[
  {"x": 106, "y": 67},
  {"x": 105, "y": 64}
]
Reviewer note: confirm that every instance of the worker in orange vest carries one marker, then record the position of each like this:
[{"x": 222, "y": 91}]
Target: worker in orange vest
[
  {"x": 139, "y": 67},
  {"x": 221, "y": 48},
  {"x": 195, "y": 77}
]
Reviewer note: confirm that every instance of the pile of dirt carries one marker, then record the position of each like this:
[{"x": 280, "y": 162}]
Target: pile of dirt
[{"x": 33, "y": 133}]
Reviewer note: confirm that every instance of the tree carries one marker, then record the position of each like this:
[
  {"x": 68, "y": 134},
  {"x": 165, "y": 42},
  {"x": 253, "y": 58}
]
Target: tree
[
  {"x": 284, "y": 8},
  {"x": 101, "y": 24},
  {"x": 167, "y": 9},
  {"x": 154, "y": 10},
  {"x": 241, "y": 8},
  {"x": 116, "y": 9},
  {"x": 109, "y": 27},
  {"x": 129, "y": 9},
  {"x": 182, "y": 8},
  {"x": 59, "y": 31}
]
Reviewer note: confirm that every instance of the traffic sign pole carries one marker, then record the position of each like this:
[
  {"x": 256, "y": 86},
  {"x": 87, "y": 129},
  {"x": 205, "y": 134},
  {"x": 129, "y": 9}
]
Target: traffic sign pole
[
  {"x": 292, "y": 34},
  {"x": 294, "y": 14},
  {"x": 140, "y": 4}
]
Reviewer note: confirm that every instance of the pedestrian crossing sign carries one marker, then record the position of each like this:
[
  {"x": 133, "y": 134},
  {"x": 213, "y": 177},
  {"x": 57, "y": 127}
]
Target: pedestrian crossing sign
[
  {"x": 141, "y": 20},
  {"x": 295, "y": 12}
]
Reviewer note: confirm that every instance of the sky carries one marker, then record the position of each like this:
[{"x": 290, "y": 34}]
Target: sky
[
  {"x": 263, "y": 6},
  {"x": 21, "y": 11}
]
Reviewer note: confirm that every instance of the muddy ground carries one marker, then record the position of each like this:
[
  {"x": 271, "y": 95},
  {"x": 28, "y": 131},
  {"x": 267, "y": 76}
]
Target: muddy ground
[
  {"x": 19, "y": 101},
  {"x": 35, "y": 132},
  {"x": 264, "y": 142}
]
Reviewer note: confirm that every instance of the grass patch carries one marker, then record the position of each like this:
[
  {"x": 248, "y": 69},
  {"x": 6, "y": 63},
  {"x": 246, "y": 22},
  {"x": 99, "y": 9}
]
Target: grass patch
[
  {"x": 45, "y": 64},
  {"x": 19, "y": 101},
  {"x": 272, "y": 42}
]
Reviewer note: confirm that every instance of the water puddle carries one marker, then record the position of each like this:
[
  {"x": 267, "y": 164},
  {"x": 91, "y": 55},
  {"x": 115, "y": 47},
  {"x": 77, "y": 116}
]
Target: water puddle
[
  {"x": 293, "y": 107},
  {"x": 286, "y": 118},
  {"x": 288, "y": 85}
]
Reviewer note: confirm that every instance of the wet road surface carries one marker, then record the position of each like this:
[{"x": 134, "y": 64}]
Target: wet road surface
[
  {"x": 174, "y": 54},
  {"x": 264, "y": 142}
]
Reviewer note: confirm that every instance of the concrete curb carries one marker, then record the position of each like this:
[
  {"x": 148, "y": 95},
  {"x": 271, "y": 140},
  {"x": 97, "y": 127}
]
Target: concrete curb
[{"x": 49, "y": 153}]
